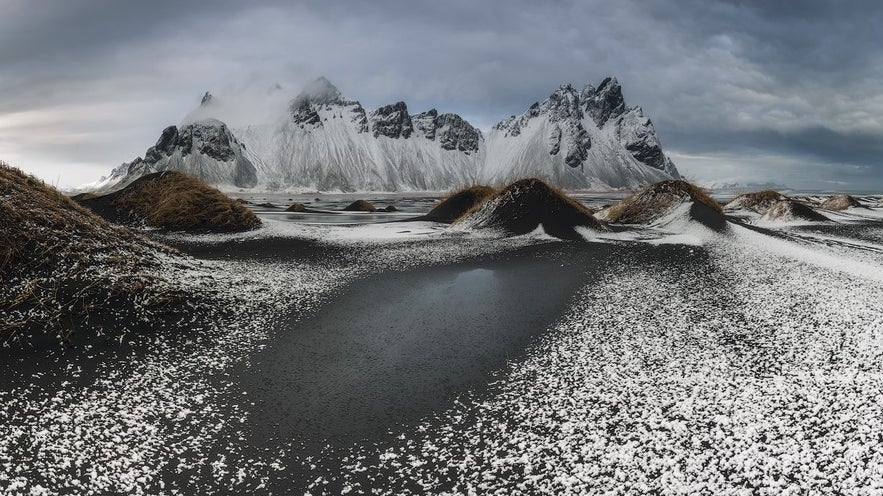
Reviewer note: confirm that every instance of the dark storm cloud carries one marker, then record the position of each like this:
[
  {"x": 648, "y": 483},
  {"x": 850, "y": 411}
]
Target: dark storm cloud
[{"x": 779, "y": 84}]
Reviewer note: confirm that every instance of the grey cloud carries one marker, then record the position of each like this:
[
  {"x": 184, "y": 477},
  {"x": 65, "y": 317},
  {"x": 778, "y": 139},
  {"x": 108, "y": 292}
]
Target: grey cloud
[{"x": 777, "y": 79}]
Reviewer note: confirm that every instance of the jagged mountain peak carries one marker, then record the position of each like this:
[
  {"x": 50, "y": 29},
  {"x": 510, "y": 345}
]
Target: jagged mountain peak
[
  {"x": 391, "y": 121},
  {"x": 606, "y": 102},
  {"x": 574, "y": 138},
  {"x": 206, "y": 99}
]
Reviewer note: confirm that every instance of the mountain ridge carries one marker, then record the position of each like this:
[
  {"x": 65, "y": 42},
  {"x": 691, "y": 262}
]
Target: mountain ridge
[{"x": 586, "y": 139}]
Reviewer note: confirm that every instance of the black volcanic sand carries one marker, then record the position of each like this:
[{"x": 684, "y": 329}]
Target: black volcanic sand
[
  {"x": 391, "y": 349},
  {"x": 397, "y": 346}
]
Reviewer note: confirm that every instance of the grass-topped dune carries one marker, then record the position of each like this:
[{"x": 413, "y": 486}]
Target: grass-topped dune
[
  {"x": 64, "y": 269},
  {"x": 527, "y": 204},
  {"x": 360, "y": 206},
  {"x": 458, "y": 203},
  {"x": 840, "y": 202},
  {"x": 657, "y": 200},
  {"x": 174, "y": 201},
  {"x": 756, "y": 201},
  {"x": 791, "y": 210}
]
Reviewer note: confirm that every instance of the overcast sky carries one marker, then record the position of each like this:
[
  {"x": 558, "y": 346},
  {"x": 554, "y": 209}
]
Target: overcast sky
[{"x": 790, "y": 92}]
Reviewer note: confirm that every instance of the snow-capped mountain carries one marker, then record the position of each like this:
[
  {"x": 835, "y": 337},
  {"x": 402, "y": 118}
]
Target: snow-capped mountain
[
  {"x": 322, "y": 140},
  {"x": 579, "y": 139},
  {"x": 329, "y": 142},
  {"x": 205, "y": 149}
]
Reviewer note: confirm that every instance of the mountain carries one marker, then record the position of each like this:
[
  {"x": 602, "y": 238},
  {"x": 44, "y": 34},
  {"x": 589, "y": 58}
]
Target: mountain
[
  {"x": 322, "y": 140},
  {"x": 329, "y": 142},
  {"x": 206, "y": 149},
  {"x": 579, "y": 139}
]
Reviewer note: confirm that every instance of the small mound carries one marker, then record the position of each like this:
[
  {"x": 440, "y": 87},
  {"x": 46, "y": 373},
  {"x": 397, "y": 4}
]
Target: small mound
[
  {"x": 390, "y": 208},
  {"x": 175, "y": 201},
  {"x": 360, "y": 206},
  {"x": 527, "y": 204},
  {"x": 266, "y": 205},
  {"x": 64, "y": 269},
  {"x": 296, "y": 207},
  {"x": 757, "y": 201},
  {"x": 790, "y": 210},
  {"x": 457, "y": 204},
  {"x": 840, "y": 202},
  {"x": 655, "y": 201}
]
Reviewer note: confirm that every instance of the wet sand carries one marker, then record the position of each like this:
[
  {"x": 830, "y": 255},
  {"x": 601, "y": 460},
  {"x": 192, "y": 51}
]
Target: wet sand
[{"x": 398, "y": 346}]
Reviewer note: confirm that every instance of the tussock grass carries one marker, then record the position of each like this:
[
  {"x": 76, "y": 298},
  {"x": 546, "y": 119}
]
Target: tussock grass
[
  {"x": 360, "y": 206},
  {"x": 176, "y": 201},
  {"x": 296, "y": 207},
  {"x": 456, "y": 204},
  {"x": 787, "y": 210},
  {"x": 655, "y": 200},
  {"x": 840, "y": 202},
  {"x": 61, "y": 265},
  {"x": 523, "y": 205}
]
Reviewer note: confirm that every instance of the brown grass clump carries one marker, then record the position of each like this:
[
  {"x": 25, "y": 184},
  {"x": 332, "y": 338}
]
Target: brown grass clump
[
  {"x": 788, "y": 210},
  {"x": 458, "y": 203},
  {"x": 840, "y": 202},
  {"x": 758, "y": 201},
  {"x": 655, "y": 200},
  {"x": 526, "y": 204},
  {"x": 61, "y": 265},
  {"x": 360, "y": 206},
  {"x": 296, "y": 207},
  {"x": 175, "y": 201}
]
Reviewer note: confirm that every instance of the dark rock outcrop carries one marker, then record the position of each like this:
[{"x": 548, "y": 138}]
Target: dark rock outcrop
[
  {"x": 391, "y": 121},
  {"x": 451, "y": 130}
]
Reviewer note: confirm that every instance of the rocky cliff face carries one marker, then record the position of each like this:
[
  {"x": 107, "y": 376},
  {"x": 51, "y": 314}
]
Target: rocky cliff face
[{"x": 325, "y": 141}]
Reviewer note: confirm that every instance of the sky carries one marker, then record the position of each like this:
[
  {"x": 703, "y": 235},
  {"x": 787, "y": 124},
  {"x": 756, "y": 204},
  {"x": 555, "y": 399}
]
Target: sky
[{"x": 789, "y": 92}]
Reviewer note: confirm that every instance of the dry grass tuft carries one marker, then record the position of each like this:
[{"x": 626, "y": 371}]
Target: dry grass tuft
[
  {"x": 840, "y": 202},
  {"x": 296, "y": 207},
  {"x": 360, "y": 206},
  {"x": 655, "y": 200},
  {"x": 176, "y": 201},
  {"x": 459, "y": 202},
  {"x": 522, "y": 206},
  {"x": 60, "y": 264},
  {"x": 758, "y": 201},
  {"x": 790, "y": 210}
]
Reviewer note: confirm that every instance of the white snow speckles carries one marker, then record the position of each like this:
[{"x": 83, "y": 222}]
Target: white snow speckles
[{"x": 743, "y": 372}]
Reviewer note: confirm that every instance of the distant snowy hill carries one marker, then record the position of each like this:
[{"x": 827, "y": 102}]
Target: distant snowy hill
[{"x": 321, "y": 140}]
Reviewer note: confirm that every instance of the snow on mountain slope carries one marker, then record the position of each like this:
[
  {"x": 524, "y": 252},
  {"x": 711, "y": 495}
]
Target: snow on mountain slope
[
  {"x": 577, "y": 140},
  {"x": 324, "y": 141},
  {"x": 328, "y": 142},
  {"x": 205, "y": 149}
]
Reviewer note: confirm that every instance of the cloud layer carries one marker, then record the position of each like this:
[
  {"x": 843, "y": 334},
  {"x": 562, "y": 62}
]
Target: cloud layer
[{"x": 760, "y": 91}]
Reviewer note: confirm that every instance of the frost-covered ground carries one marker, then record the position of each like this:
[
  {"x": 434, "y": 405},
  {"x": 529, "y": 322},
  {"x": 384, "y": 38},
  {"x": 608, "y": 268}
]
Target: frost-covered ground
[{"x": 695, "y": 362}]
